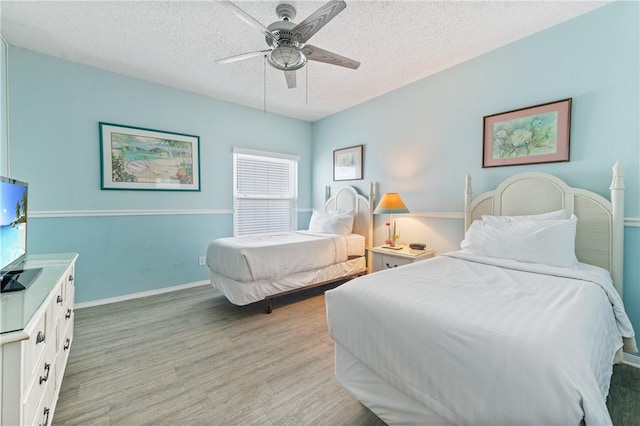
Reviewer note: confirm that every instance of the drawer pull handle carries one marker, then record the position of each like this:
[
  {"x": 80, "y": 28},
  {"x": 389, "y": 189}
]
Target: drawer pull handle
[
  {"x": 68, "y": 314},
  {"x": 46, "y": 417},
  {"x": 67, "y": 344},
  {"x": 70, "y": 277},
  {"x": 40, "y": 337},
  {"x": 389, "y": 266},
  {"x": 47, "y": 369},
  {"x": 59, "y": 299}
]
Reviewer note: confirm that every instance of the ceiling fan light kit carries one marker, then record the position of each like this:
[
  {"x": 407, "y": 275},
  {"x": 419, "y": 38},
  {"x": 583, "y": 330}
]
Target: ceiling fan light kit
[
  {"x": 288, "y": 50},
  {"x": 286, "y": 58}
]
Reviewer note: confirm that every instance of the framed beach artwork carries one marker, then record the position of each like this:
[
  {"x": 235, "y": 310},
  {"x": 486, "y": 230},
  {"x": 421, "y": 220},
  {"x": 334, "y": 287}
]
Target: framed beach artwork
[
  {"x": 145, "y": 159},
  {"x": 536, "y": 134},
  {"x": 347, "y": 163}
]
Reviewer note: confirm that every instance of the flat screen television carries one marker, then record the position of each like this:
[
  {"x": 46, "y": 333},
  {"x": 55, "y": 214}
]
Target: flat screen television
[{"x": 13, "y": 236}]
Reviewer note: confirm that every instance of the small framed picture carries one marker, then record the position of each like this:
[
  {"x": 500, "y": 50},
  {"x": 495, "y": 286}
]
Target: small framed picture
[
  {"x": 536, "y": 134},
  {"x": 347, "y": 163},
  {"x": 146, "y": 159}
]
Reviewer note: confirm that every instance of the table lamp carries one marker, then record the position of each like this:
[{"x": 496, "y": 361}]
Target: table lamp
[{"x": 391, "y": 204}]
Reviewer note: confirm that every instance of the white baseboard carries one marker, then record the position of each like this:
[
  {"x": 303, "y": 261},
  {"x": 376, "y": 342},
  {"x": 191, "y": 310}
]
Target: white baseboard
[
  {"x": 632, "y": 360},
  {"x": 140, "y": 295}
]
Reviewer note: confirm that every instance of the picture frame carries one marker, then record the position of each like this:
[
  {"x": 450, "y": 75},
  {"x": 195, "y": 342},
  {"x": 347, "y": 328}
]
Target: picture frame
[
  {"x": 531, "y": 135},
  {"x": 136, "y": 158},
  {"x": 347, "y": 163}
]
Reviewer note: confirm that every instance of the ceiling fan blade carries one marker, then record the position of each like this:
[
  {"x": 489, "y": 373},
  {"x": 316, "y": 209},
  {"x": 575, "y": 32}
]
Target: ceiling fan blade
[
  {"x": 314, "y": 53},
  {"x": 318, "y": 19},
  {"x": 291, "y": 79},
  {"x": 248, "y": 19},
  {"x": 242, "y": 56}
]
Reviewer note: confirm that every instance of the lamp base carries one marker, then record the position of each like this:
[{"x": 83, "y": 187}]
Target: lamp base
[{"x": 392, "y": 247}]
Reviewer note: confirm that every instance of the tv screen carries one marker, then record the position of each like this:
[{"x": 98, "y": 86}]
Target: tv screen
[{"x": 13, "y": 224}]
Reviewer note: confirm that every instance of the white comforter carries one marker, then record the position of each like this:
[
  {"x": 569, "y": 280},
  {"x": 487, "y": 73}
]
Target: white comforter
[
  {"x": 480, "y": 344},
  {"x": 268, "y": 257}
]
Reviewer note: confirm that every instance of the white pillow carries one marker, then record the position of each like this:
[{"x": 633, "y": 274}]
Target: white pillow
[
  {"x": 549, "y": 242},
  {"x": 556, "y": 215},
  {"x": 332, "y": 223}
]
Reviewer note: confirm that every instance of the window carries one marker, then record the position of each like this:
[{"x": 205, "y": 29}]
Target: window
[{"x": 265, "y": 192}]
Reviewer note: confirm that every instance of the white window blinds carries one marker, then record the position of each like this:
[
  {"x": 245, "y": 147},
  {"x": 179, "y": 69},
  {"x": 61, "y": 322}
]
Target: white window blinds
[{"x": 265, "y": 192}]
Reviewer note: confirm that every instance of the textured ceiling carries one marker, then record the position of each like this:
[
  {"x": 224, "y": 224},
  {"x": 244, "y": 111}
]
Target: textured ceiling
[{"x": 176, "y": 43}]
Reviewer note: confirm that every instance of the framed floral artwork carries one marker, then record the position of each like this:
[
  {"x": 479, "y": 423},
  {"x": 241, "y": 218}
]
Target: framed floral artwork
[
  {"x": 146, "y": 159},
  {"x": 531, "y": 135}
]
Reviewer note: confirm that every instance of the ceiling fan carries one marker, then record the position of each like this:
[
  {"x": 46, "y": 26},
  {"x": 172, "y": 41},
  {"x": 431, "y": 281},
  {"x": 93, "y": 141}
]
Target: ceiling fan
[{"x": 288, "y": 49}]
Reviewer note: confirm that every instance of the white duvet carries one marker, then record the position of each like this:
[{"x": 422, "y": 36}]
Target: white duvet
[
  {"x": 481, "y": 343},
  {"x": 273, "y": 256}
]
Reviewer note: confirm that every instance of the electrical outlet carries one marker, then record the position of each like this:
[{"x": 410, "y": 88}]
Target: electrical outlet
[{"x": 201, "y": 261}]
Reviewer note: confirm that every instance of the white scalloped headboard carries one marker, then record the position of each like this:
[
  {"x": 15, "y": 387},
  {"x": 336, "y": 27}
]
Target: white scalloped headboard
[
  {"x": 599, "y": 235},
  {"x": 348, "y": 198}
]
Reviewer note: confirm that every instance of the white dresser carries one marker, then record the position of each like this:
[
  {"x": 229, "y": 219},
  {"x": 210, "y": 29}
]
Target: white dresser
[{"x": 36, "y": 331}]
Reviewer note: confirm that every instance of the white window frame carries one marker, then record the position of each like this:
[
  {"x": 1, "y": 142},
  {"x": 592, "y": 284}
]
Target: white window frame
[{"x": 292, "y": 162}]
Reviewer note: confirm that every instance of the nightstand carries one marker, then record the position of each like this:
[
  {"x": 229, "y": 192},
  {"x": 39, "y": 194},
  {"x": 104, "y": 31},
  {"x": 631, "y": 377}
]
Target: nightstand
[{"x": 385, "y": 258}]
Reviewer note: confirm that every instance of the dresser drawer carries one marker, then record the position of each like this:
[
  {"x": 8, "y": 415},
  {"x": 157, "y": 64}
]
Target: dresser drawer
[
  {"x": 65, "y": 337},
  {"x": 63, "y": 352},
  {"x": 66, "y": 317},
  {"x": 43, "y": 380},
  {"x": 39, "y": 337},
  {"x": 69, "y": 274},
  {"x": 58, "y": 302},
  {"x": 37, "y": 411}
]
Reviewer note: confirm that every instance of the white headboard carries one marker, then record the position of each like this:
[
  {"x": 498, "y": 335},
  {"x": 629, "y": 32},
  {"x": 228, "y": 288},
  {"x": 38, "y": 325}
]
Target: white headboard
[
  {"x": 600, "y": 231},
  {"x": 348, "y": 198}
]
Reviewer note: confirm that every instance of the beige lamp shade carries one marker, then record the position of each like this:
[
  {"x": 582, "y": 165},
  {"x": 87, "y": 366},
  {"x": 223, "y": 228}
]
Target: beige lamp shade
[{"x": 391, "y": 203}]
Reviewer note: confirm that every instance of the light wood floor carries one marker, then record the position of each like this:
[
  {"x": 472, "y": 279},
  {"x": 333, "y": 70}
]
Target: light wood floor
[{"x": 190, "y": 357}]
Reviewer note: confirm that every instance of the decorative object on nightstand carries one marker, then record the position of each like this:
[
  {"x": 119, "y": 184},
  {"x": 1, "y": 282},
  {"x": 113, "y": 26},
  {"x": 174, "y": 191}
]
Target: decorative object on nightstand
[
  {"x": 391, "y": 203},
  {"x": 383, "y": 258}
]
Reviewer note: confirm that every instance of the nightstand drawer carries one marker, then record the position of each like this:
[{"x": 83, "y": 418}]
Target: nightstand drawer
[
  {"x": 386, "y": 258},
  {"x": 387, "y": 262}
]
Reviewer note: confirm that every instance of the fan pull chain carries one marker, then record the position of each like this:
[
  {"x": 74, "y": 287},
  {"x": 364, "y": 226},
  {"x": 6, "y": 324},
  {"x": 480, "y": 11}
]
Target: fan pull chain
[
  {"x": 265, "y": 84},
  {"x": 306, "y": 86}
]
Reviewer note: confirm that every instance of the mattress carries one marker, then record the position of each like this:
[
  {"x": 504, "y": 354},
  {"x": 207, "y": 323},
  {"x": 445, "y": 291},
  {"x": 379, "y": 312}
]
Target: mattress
[
  {"x": 478, "y": 341},
  {"x": 273, "y": 256},
  {"x": 243, "y": 293}
]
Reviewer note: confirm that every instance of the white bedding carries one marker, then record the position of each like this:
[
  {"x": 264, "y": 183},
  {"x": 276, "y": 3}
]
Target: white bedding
[
  {"x": 243, "y": 293},
  {"x": 477, "y": 343},
  {"x": 270, "y": 257}
]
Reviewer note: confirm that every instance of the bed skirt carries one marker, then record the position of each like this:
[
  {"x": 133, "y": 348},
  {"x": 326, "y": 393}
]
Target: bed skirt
[
  {"x": 243, "y": 293},
  {"x": 385, "y": 400}
]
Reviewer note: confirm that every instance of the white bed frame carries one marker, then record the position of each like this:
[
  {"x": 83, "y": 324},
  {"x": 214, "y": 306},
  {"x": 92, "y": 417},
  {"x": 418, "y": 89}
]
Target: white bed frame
[
  {"x": 600, "y": 231},
  {"x": 598, "y": 241}
]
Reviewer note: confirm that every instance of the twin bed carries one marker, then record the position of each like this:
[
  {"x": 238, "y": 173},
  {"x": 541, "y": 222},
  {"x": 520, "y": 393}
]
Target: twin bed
[
  {"x": 521, "y": 326},
  {"x": 255, "y": 268}
]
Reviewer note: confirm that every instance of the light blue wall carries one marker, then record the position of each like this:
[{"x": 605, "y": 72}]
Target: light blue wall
[
  {"x": 421, "y": 140},
  {"x": 55, "y": 109}
]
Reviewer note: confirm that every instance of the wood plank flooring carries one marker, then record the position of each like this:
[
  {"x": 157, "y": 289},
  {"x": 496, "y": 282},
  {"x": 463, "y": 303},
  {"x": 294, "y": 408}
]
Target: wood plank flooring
[
  {"x": 624, "y": 395},
  {"x": 190, "y": 357}
]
